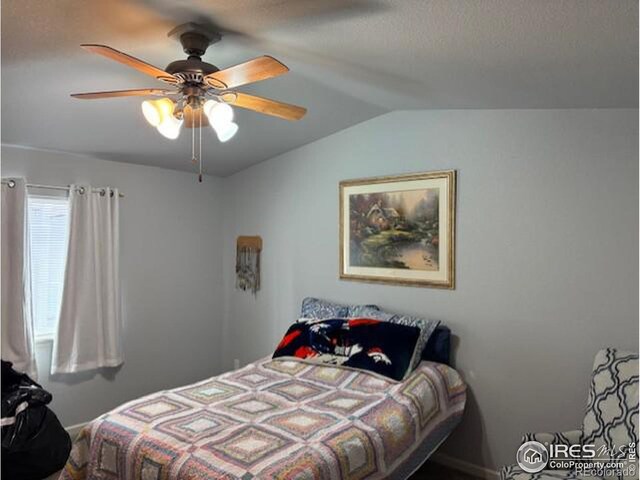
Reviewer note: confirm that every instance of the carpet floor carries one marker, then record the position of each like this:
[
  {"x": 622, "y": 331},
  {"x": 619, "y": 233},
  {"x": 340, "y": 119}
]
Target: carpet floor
[
  {"x": 429, "y": 471},
  {"x": 434, "y": 471}
]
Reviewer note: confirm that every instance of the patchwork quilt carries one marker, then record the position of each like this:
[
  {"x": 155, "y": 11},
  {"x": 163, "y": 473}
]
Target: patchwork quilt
[{"x": 276, "y": 419}]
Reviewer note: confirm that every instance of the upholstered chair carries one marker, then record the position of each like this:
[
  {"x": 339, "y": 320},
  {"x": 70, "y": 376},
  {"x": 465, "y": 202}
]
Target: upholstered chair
[{"x": 610, "y": 422}]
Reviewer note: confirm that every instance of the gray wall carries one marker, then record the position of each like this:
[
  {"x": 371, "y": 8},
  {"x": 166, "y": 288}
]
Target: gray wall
[
  {"x": 546, "y": 259},
  {"x": 171, "y": 275},
  {"x": 547, "y": 253}
]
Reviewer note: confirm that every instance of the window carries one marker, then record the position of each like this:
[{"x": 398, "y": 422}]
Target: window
[{"x": 48, "y": 237}]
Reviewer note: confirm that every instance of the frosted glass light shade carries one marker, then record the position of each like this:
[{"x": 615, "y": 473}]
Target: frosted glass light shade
[
  {"x": 156, "y": 111},
  {"x": 218, "y": 113},
  {"x": 226, "y": 132},
  {"x": 151, "y": 113},
  {"x": 170, "y": 128},
  {"x": 159, "y": 114}
]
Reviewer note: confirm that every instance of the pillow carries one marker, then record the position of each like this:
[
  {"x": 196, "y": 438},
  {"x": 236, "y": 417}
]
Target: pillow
[
  {"x": 427, "y": 327},
  {"x": 314, "y": 308},
  {"x": 370, "y": 311},
  {"x": 381, "y": 347},
  {"x": 317, "y": 308},
  {"x": 438, "y": 346},
  {"x": 362, "y": 310}
]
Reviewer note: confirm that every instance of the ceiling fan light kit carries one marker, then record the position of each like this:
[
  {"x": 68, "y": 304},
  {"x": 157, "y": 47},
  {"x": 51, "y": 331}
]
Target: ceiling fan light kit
[
  {"x": 160, "y": 114},
  {"x": 201, "y": 94},
  {"x": 226, "y": 132},
  {"x": 218, "y": 113}
]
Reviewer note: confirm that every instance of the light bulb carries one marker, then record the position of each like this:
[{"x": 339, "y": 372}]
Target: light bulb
[
  {"x": 170, "y": 127},
  {"x": 218, "y": 113},
  {"x": 226, "y": 132},
  {"x": 208, "y": 105},
  {"x": 156, "y": 111},
  {"x": 159, "y": 113},
  {"x": 151, "y": 113}
]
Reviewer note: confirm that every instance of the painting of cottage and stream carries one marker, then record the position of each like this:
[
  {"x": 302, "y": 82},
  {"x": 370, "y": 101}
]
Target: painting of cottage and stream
[{"x": 397, "y": 229}]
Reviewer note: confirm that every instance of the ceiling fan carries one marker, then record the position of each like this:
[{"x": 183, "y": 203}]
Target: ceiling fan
[{"x": 200, "y": 94}]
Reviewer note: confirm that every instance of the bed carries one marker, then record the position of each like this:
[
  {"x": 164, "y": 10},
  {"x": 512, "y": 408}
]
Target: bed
[{"x": 276, "y": 419}]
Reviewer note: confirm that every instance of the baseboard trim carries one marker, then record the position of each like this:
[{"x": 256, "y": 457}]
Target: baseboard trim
[
  {"x": 465, "y": 467},
  {"x": 74, "y": 430}
]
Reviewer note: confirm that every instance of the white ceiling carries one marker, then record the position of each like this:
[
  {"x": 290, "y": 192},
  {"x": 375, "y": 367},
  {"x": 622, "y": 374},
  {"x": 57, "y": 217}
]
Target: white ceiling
[{"x": 351, "y": 60}]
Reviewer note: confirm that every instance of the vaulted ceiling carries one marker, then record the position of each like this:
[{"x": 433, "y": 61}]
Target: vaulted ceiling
[{"x": 350, "y": 60}]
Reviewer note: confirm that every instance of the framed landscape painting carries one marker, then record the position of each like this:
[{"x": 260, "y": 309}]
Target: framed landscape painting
[{"x": 399, "y": 229}]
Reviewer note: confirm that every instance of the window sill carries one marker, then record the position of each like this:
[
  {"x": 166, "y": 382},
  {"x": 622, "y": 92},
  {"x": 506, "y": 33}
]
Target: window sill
[{"x": 43, "y": 339}]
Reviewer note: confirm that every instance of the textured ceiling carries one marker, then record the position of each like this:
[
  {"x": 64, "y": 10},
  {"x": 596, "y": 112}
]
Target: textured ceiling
[{"x": 350, "y": 59}]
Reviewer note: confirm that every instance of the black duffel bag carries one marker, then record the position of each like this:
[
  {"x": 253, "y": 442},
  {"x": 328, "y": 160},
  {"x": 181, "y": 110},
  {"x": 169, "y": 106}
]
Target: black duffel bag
[{"x": 34, "y": 443}]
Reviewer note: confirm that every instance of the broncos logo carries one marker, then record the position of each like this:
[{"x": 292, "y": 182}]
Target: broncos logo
[{"x": 378, "y": 356}]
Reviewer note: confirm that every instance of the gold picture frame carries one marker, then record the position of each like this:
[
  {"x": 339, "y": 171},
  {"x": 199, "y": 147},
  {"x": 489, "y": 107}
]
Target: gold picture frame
[{"x": 399, "y": 229}]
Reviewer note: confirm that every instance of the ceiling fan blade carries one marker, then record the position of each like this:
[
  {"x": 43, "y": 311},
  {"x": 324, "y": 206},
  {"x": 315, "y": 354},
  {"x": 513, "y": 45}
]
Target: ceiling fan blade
[
  {"x": 140, "y": 92},
  {"x": 268, "y": 107},
  {"x": 254, "y": 70},
  {"x": 130, "y": 61}
]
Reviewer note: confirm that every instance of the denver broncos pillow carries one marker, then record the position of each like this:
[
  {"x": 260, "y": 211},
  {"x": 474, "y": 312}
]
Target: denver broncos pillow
[{"x": 364, "y": 343}]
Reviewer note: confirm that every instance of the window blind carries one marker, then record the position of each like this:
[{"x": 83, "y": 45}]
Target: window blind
[{"x": 48, "y": 219}]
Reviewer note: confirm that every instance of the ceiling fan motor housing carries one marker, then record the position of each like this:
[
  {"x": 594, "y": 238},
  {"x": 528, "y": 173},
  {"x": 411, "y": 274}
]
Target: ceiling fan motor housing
[
  {"x": 194, "y": 38},
  {"x": 191, "y": 70}
]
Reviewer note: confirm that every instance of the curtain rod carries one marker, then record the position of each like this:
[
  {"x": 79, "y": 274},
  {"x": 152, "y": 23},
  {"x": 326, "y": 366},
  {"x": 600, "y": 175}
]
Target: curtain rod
[{"x": 53, "y": 187}]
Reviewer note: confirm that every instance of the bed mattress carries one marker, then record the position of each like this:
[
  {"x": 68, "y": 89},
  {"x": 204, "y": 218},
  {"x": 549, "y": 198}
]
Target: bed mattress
[{"x": 276, "y": 419}]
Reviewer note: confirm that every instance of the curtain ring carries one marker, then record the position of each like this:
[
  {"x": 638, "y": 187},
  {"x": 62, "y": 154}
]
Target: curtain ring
[
  {"x": 103, "y": 192},
  {"x": 81, "y": 190},
  {"x": 11, "y": 183}
]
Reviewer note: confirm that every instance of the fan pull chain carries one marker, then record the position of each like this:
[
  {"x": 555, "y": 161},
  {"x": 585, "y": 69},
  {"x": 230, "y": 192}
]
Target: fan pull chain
[
  {"x": 193, "y": 141},
  {"x": 200, "y": 145}
]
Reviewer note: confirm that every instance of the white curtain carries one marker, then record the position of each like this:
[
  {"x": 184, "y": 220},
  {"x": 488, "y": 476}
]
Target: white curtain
[
  {"x": 90, "y": 324},
  {"x": 17, "y": 322}
]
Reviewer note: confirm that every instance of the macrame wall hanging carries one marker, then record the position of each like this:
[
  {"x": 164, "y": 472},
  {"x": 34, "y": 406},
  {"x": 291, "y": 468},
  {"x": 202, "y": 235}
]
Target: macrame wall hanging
[{"x": 248, "y": 263}]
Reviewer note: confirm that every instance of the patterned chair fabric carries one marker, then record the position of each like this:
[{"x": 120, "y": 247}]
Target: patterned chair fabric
[
  {"x": 612, "y": 408},
  {"x": 611, "y": 418},
  {"x": 571, "y": 437},
  {"x": 514, "y": 472}
]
